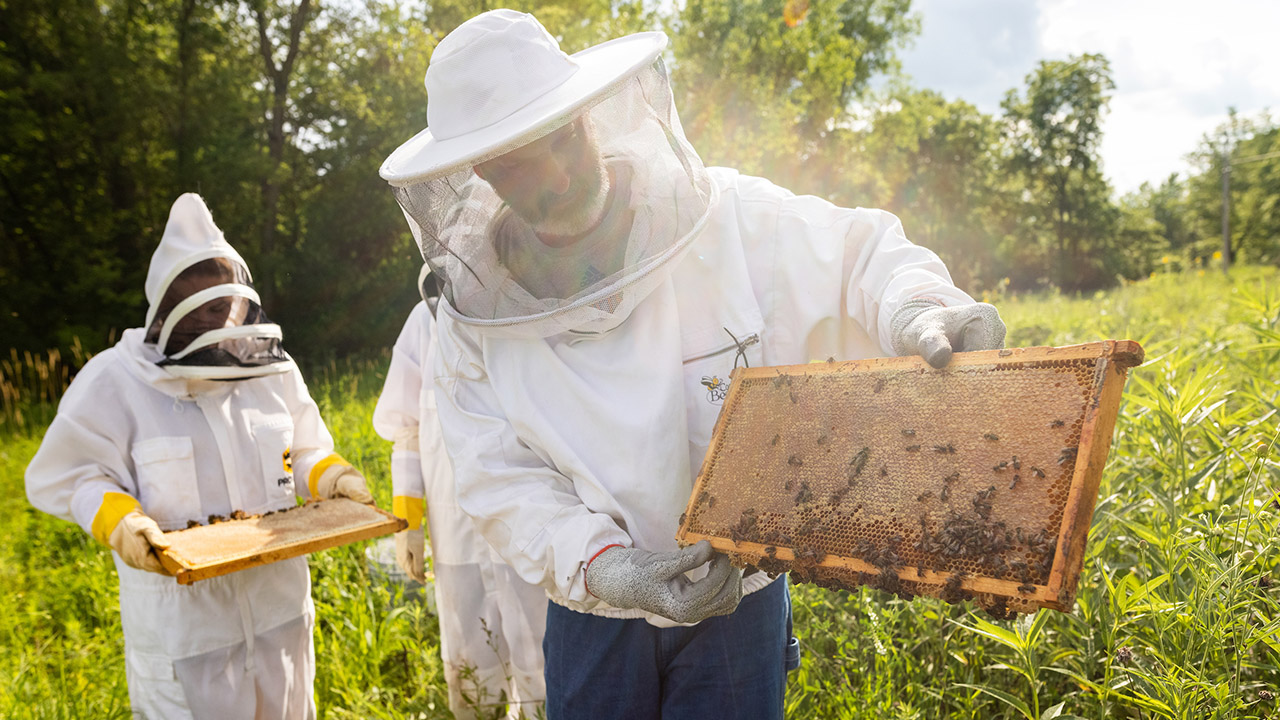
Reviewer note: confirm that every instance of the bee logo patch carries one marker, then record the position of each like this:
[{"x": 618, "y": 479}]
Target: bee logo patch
[
  {"x": 287, "y": 460},
  {"x": 716, "y": 388}
]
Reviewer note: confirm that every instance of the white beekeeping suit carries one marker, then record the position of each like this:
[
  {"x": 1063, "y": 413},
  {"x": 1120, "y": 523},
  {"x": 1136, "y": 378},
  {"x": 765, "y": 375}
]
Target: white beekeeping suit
[
  {"x": 579, "y": 384},
  {"x": 200, "y": 413},
  {"x": 491, "y": 621}
]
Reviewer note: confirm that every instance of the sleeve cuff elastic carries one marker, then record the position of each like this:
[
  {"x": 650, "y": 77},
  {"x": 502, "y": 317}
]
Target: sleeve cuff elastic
[
  {"x": 408, "y": 508},
  {"x": 113, "y": 509},
  {"x": 318, "y": 469}
]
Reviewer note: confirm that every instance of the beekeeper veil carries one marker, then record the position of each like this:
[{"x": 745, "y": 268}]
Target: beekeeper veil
[
  {"x": 202, "y": 312},
  {"x": 549, "y": 192}
]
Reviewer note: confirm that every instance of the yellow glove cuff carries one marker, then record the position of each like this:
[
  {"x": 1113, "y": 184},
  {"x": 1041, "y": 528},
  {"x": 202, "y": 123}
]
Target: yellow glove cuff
[
  {"x": 409, "y": 508},
  {"x": 113, "y": 509},
  {"x": 314, "y": 476}
]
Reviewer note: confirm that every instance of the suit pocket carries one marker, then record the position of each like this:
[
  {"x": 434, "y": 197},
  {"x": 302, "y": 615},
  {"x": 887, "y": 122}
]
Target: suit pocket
[
  {"x": 275, "y": 450},
  {"x": 167, "y": 489}
]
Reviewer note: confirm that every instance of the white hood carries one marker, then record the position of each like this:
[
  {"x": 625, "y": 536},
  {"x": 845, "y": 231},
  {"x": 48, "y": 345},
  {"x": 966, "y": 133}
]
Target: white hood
[
  {"x": 189, "y": 237},
  {"x": 204, "y": 318}
]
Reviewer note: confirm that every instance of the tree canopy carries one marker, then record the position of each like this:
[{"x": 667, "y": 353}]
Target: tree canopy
[{"x": 279, "y": 113}]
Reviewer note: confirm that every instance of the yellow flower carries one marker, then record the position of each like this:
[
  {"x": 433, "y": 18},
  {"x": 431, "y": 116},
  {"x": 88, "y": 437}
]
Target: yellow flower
[
  {"x": 1217, "y": 255},
  {"x": 1164, "y": 260},
  {"x": 1200, "y": 273}
]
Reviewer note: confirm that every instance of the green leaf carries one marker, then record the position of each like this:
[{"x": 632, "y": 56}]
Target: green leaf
[{"x": 1003, "y": 697}]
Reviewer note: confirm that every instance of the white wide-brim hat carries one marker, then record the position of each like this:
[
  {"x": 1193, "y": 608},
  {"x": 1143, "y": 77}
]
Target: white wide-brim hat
[{"x": 500, "y": 81}]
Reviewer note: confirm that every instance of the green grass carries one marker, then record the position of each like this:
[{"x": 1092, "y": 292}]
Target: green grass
[{"x": 1176, "y": 617}]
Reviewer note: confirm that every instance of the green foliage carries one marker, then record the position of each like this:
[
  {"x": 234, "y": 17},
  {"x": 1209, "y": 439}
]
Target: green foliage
[
  {"x": 1177, "y": 614},
  {"x": 936, "y": 165},
  {"x": 279, "y": 113},
  {"x": 763, "y": 95},
  {"x": 1251, "y": 146},
  {"x": 1053, "y": 133}
]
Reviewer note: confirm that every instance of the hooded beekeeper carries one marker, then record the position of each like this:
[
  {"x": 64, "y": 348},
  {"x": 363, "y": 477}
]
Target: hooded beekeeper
[
  {"x": 198, "y": 413},
  {"x": 490, "y": 620},
  {"x": 599, "y": 284}
]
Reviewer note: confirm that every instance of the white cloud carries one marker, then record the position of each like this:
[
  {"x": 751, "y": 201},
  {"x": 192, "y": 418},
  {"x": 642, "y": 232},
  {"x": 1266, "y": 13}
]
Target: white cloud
[
  {"x": 975, "y": 50},
  {"x": 1177, "y": 64}
]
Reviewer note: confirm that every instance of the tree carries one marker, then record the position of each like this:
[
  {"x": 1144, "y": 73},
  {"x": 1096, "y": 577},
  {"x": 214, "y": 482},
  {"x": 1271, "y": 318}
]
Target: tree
[
  {"x": 765, "y": 85},
  {"x": 1252, "y": 147},
  {"x": 935, "y": 165},
  {"x": 1053, "y": 134}
]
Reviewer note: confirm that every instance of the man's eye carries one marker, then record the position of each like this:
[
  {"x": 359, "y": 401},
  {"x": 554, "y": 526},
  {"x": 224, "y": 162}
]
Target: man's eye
[{"x": 564, "y": 138}]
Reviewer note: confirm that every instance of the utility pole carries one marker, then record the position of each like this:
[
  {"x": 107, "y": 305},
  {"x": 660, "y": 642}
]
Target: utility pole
[
  {"x": 1227, "y": 162},
  {"x": 1226, "y": 213}
]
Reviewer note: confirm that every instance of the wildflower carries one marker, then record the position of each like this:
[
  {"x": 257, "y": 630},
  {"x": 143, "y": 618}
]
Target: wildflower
[
  {"x": 1164, "y": 260},
  {"x": 1217, "y": 255},
  {"x": 1124, "y": 655},
  {"x": 1265, "y": 694}
]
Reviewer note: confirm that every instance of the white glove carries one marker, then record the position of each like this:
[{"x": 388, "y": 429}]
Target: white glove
[
  {"x": 410, "y": 547},
  {"x": 135, "y": 539},
  {"x": 655, "y": 582},
  {"x": 922, "y": 327},
  {"x": 343, "y": 481}
]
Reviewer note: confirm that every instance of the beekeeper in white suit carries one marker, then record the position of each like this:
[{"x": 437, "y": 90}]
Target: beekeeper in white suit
[
  {"x": 491, "y": 621},
  {"x": 200, "y": 412},
  {"x": 599, "y": 285}
]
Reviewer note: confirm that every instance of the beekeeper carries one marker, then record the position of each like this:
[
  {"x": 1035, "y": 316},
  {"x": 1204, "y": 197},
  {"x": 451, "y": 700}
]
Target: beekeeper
[
  {"x": 599, "y": 284},
  {"x": 198, "y": 413},
  {"x": 491, "y": 621}
]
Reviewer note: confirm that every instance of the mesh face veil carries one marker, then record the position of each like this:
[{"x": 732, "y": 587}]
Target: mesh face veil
[
  {"x": 209, "y": 325},
  {"x": 567, "y": 226}
]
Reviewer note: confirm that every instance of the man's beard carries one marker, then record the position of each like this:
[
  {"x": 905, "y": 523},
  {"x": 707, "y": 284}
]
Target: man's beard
[{"x": 578, "y": 218}]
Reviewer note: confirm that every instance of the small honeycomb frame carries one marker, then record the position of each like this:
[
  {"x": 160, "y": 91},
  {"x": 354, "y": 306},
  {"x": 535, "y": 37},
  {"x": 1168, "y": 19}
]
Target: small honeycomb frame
[
  {"x": 206, "y": 551},
  {"x": 976, "y": 481}
]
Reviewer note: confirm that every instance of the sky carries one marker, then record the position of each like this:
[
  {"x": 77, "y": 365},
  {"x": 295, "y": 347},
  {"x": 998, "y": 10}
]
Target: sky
[{"x": 1178, "y": 65}]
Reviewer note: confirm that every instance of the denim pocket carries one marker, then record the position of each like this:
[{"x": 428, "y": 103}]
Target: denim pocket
[{"x": 791, "y": 660}]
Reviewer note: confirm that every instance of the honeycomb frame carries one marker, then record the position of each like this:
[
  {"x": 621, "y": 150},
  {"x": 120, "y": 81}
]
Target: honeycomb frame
[{"x": 974, "y": 481}]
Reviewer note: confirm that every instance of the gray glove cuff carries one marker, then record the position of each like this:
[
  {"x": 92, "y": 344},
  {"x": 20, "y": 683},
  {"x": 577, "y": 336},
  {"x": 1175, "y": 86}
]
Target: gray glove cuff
[{"x": 903, "y": 316}]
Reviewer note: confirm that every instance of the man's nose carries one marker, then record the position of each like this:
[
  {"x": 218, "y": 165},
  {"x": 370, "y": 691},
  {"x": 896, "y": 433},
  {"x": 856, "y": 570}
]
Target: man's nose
[{"x": 556, "y": 175}]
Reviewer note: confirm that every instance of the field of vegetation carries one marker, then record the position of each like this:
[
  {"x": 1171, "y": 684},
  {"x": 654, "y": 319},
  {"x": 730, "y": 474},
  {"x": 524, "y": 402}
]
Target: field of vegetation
[{"x": 1177, "y": 615}]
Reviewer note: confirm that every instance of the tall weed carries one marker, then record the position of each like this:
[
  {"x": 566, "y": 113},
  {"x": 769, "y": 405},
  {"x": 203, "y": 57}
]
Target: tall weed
[{"x": 1176, "y": 617}]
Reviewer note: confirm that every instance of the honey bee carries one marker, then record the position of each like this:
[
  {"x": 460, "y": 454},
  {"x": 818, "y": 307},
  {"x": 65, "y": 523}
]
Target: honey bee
[
  {"x": 908, "y": 432},
  {"x": 991, "y": 436},
  {"x": 1037, "y": 472},
  {"x": 859, "y": 461},
  {"x": 1057, "y": 424},
  {"x": 913, "y": 448}
]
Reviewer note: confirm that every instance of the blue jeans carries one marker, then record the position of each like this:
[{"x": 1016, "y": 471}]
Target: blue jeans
[{"x": 732, "y": 666}]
